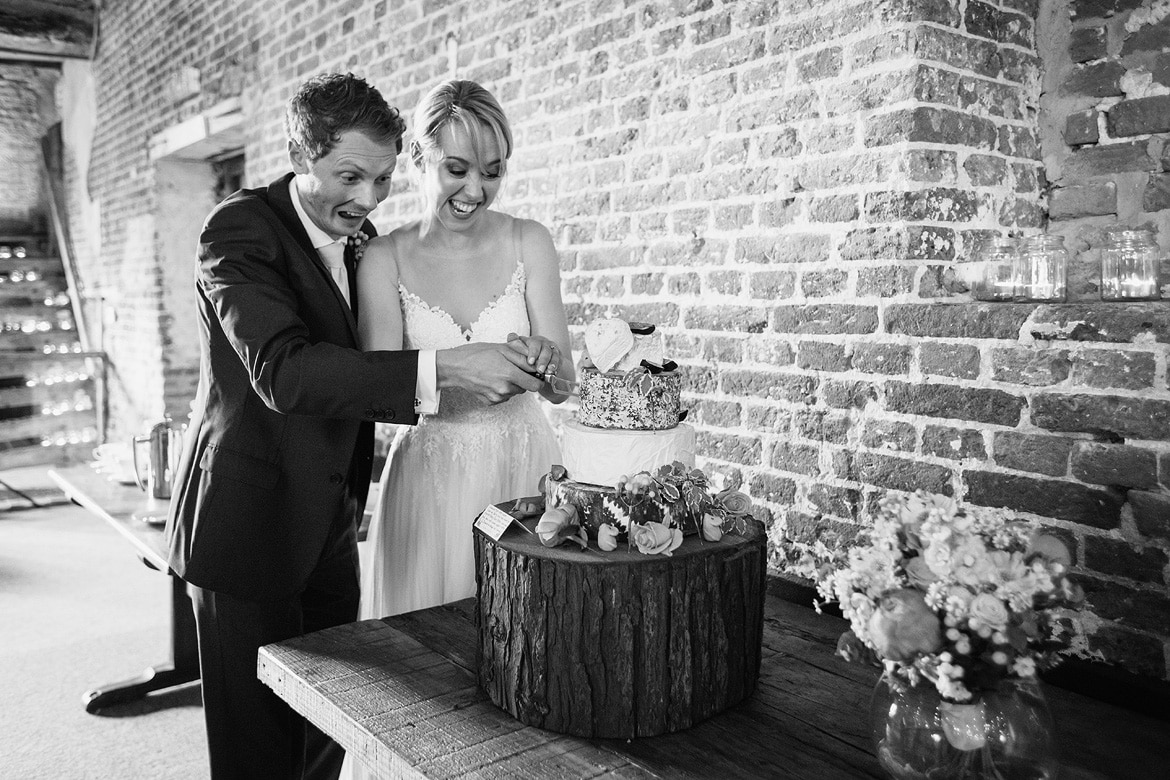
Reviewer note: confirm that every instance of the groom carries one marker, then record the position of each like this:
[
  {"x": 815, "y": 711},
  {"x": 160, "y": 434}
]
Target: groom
[{"x": 276, "y": 468}]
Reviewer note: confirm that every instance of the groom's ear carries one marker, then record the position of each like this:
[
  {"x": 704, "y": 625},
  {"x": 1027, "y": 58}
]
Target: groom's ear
[{"x": 298, "y": 158}]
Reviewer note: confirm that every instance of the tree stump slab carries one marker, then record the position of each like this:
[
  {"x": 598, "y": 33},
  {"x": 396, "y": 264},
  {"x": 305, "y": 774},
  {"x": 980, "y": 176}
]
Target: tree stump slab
[{"x": 619, "y": 644}]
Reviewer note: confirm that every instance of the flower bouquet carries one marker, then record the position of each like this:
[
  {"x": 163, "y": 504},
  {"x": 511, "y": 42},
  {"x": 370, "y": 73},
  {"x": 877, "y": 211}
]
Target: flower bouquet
[{"x": 963, "y": 601}]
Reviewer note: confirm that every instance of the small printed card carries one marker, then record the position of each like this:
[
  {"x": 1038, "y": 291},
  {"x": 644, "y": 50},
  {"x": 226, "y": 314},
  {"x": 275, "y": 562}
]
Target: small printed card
[{"x": 494, "y": 521}]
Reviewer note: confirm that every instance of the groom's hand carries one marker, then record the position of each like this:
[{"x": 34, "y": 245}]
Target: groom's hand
[{"x": 492, "y": 372}]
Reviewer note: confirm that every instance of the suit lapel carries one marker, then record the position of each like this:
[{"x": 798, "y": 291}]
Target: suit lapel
[{"x": 280, "y": 199}]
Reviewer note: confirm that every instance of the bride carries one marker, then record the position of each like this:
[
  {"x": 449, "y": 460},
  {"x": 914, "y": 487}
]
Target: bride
[{"x": 461, "y": 273}]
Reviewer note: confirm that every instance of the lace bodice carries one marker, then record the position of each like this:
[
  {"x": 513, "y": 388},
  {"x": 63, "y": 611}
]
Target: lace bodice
[{"x": 431, "y": 327}]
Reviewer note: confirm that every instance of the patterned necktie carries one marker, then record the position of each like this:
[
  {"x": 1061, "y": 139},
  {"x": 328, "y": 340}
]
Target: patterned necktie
[{"x": 334, "y": 257}]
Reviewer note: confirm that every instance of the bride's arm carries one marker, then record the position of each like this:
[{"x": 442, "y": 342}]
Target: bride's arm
[
  {"x": 379, "y": 309},
  {"x": 546, "y": 312}
]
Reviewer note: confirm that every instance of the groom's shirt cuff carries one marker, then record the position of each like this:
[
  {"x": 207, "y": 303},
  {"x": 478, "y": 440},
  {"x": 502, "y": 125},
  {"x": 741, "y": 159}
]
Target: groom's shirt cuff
[{"x": 426, "y": 385}]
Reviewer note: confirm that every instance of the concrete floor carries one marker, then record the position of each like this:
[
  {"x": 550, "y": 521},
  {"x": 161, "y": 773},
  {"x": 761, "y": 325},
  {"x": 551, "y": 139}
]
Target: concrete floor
[{"x": 78, "y": 610}]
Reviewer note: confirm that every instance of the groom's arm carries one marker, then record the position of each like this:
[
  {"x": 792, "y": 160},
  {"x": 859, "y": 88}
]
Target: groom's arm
[{"x": 287, "y": 343}]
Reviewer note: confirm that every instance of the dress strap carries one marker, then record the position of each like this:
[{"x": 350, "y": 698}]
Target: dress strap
[{"x": 518, "y": 245}]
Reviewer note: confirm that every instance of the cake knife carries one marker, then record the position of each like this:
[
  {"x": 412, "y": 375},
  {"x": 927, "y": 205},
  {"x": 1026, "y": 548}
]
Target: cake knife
[{"x": 562, "y": 386}]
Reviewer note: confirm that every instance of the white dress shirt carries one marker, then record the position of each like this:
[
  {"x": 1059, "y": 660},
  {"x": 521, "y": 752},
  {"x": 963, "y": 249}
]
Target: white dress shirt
[{"x": 332, "y": 252}]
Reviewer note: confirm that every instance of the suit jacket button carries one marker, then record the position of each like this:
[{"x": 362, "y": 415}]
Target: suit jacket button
[
  {"x": 336, "y": 479},
  {"x": 389, "y": 414},
  {"x": 370, "y": 413}
]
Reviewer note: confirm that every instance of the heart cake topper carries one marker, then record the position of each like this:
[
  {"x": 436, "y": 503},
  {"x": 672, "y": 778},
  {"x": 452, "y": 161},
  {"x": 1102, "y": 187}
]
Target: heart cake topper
[{"x": 607, "y": 342}]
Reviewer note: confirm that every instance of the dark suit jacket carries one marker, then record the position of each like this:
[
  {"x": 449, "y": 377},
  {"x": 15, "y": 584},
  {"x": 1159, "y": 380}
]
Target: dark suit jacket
[{"x": 281, "y": 440}]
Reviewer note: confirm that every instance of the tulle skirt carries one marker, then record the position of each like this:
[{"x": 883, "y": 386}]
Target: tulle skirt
[{"x": 439, "y": 476}]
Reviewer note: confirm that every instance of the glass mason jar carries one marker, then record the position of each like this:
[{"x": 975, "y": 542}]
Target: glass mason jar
[
  {"x": 1041, "y": 269},
  {"x": 1129, "y": 267},
  {"x": 1005, "y": 733},
  {"x": 996, "y": 278}
]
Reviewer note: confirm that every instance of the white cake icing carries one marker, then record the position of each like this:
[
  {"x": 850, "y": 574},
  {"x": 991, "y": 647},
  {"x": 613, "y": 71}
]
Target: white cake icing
[{"x": 601, "y": 456}]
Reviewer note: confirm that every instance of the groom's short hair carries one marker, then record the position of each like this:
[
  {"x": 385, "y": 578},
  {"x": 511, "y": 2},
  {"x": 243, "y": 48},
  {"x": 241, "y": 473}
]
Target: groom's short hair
[{"x": 330, "y": 104}]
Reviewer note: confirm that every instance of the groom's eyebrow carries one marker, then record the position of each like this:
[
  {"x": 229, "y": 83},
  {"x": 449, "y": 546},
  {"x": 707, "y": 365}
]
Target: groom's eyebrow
[{"x": 354, "y": 166}]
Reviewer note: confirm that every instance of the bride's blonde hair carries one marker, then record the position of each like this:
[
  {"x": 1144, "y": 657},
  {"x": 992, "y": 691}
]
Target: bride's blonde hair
[{"x": 474, "y": 108}]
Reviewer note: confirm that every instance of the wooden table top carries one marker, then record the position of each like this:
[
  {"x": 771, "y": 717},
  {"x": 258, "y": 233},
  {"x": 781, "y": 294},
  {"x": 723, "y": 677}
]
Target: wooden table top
[
  {"x": 400, "y": 693},
  {"x": 137, "y": 516}
]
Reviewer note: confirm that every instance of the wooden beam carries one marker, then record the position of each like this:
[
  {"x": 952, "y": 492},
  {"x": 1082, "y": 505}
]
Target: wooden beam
[{"x": 46, "y": 30}]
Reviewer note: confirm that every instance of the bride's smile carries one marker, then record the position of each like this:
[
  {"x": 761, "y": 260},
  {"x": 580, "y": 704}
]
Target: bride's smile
[{"x": 463, "y": 182}]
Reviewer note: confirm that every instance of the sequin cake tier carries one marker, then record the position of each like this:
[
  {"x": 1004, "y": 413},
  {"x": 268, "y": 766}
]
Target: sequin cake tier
[{"x": 635, "y": 402}]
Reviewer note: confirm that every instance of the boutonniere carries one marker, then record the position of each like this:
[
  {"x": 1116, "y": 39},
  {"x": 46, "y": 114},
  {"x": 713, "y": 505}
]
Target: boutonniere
[{"x": 357, "y": 246}]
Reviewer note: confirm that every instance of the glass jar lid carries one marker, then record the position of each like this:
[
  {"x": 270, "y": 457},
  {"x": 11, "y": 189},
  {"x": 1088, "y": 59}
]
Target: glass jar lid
[
  {"x": 1130, "y": 235},
  {"x": 1044, "y": 241}
]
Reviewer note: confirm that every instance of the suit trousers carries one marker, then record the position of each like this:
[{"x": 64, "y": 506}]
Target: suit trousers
[{"x": 251, "y": 733}]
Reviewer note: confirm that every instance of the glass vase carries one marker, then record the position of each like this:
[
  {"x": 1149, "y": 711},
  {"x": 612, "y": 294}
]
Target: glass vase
[{"x": 1006, "y": 734}]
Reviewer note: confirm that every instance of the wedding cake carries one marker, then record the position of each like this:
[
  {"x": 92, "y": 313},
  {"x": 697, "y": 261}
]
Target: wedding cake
[
  {"x": 678, "y": 621},
  {"x": 629, "y": 421}
]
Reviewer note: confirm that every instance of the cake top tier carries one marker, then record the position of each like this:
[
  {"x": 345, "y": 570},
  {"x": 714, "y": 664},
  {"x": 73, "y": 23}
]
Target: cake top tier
[{"x": 616, "y": 345}]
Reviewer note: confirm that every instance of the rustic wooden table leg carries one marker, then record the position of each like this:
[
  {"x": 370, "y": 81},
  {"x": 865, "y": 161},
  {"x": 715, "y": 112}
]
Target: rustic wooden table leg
[{"x": 183, "y": 667}]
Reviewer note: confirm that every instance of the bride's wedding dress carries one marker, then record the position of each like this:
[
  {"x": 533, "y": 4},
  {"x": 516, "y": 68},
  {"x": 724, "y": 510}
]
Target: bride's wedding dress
[{"x": 444, "y": 471}]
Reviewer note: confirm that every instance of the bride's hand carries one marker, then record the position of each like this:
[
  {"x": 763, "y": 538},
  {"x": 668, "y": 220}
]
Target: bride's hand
[{"x": 542, "y": 354}]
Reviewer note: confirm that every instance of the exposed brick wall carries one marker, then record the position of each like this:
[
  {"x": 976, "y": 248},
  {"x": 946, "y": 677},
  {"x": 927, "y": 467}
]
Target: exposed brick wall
[
  {"x": 787, "y": 189},
  {"x": 1104, "y": 128},
  {"x": 1106, "y": 121},
  {"x": 26, "y": 111}
]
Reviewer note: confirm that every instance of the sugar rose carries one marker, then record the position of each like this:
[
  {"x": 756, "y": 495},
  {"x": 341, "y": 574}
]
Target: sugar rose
[
  {"x": 735, "y": 502},
  {"x": 607, "y": 537},
  {"x": 559, "y": 524},
  {"x": 904, "y": 627},
  {"x": 712, "y": 528},
  {"x": 655, "y": 538}
]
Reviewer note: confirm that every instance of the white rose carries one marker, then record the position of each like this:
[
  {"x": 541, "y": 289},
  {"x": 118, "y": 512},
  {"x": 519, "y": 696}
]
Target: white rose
[
  {"x": 988, "y": 611},
  {"x": 938, "y": 558}
]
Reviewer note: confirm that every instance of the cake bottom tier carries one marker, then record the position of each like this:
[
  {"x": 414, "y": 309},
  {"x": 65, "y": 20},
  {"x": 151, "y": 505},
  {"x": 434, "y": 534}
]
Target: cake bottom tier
[
  {"x": 597, "y": 505},
  {"x": 619, "y": 644}
]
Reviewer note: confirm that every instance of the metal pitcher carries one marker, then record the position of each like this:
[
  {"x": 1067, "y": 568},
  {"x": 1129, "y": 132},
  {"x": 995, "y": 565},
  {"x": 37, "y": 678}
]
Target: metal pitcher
[{"x": 164, "y": 444}]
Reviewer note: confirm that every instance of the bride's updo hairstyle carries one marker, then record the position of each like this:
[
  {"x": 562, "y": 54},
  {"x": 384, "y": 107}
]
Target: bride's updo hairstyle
[{"x": 476, "y": 111}]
